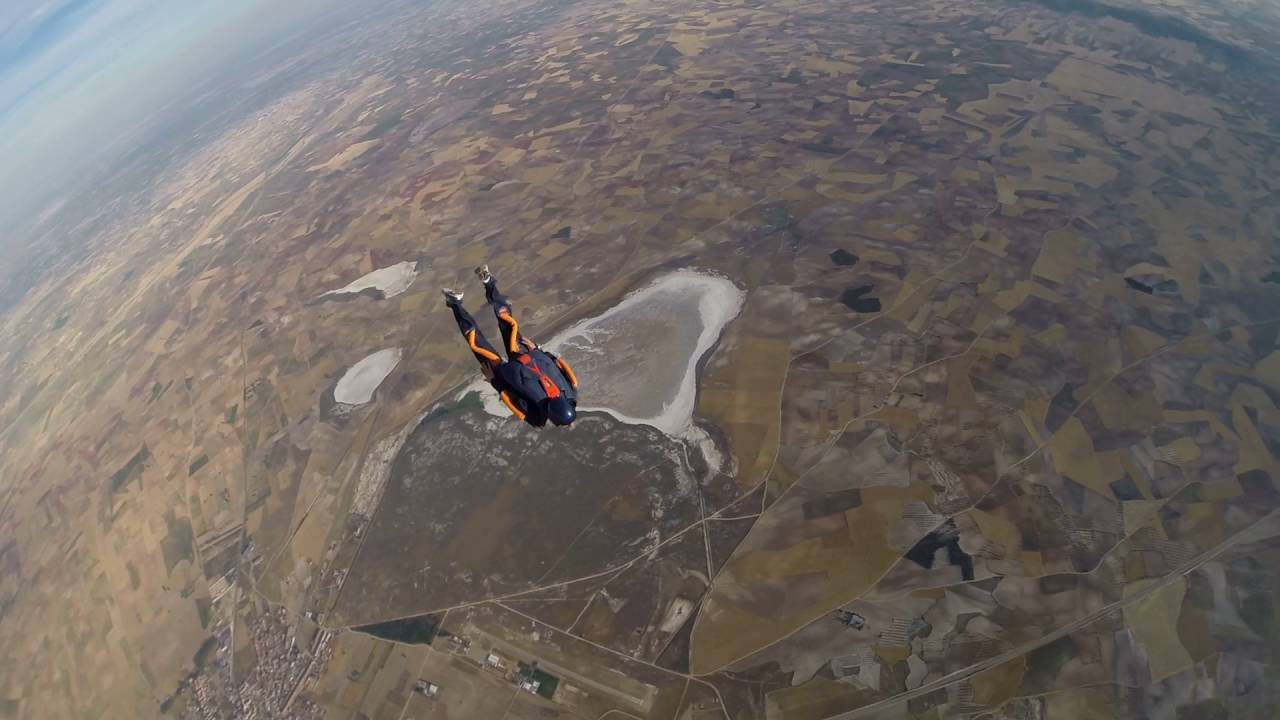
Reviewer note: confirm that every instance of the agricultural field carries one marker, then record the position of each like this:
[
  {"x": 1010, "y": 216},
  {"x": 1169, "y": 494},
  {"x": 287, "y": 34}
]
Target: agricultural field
[{"x": 931, "y": 360}]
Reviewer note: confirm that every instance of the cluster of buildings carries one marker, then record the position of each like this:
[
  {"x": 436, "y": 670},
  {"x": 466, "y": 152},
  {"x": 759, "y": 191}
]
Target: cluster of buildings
[
  {"x": 272, "y": 688},
  {"x": 527, "y": 676}
]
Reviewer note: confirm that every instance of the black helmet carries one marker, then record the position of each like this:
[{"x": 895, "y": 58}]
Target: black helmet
[{"x": 561, "y": 412}]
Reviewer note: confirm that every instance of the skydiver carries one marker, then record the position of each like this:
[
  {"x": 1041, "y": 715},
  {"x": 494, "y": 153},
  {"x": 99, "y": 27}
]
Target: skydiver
[{"x": 535, "y": 385}]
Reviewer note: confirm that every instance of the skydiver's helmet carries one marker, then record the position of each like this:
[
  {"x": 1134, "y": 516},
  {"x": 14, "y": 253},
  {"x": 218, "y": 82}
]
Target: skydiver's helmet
[{"x": 561, "y": 412}]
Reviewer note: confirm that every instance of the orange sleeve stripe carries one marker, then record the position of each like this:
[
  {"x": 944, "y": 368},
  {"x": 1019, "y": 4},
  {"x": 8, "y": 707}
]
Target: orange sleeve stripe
[
  {"x": 568, "y": 372},
  {"x": 506, "y": 400},
  {"x": 515, "y": 331},
  {"x": 471, "y": 341}
]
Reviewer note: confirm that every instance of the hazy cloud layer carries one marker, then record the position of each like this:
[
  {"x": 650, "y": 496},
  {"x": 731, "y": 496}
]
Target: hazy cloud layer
[{"x": 80, "y": 80}]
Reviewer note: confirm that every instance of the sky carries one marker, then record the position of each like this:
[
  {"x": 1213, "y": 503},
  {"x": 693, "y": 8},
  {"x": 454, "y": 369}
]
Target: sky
[{"x": 80, "y": 80}]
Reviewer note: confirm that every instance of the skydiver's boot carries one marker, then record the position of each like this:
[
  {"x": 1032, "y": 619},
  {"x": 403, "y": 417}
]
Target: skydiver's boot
[
  {"x": 483, "y": 273},
  {"x": 451, "y": 296}
]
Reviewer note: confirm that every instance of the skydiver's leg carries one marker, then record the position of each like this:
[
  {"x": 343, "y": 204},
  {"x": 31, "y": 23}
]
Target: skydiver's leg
[
  {"x": 476, "y": 342},
  {"x": 512, "y": 340},
  {"x": 492, "y": 294}
]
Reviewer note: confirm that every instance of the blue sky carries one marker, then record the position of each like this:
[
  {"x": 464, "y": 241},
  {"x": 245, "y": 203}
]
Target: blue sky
[
  {"x": 81, "y": 79},
  {"x": 36, "y": 30}
]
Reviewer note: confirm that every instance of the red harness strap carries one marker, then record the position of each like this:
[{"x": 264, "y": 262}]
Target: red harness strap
[{"x": 548, "y": 385}]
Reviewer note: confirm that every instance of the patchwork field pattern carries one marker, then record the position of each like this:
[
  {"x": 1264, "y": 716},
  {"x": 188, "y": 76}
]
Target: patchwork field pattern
[{"x": 995, "y": 432}]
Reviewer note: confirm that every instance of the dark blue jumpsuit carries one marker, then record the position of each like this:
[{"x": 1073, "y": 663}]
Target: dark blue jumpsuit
[{"x": 530, "y": 376}]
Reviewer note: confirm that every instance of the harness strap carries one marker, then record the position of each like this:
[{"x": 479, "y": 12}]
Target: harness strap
[{"x": 548, "y": 385}]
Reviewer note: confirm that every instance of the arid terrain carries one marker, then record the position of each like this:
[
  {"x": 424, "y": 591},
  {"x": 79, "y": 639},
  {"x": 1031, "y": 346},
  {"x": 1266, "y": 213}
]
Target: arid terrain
[{"x": 974, "y": 413}]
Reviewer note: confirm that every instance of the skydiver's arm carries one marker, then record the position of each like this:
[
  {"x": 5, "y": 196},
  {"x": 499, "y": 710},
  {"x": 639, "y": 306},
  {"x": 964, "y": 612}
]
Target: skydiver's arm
[
  {"x": 568, "y": 372},
  {"x": 511, "y": 405}
]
